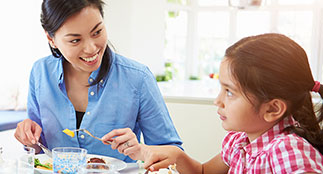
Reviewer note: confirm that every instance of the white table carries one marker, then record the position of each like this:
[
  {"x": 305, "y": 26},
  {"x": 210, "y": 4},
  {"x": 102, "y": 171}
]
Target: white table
[
  {"x": 132, "y": 168},
  {"x": 12, "y": 148}
]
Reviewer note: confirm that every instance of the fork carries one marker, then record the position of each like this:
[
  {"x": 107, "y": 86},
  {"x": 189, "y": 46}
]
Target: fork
[
  {"x": 45, "y": 149},
  {"x": 87, "y": 132}
]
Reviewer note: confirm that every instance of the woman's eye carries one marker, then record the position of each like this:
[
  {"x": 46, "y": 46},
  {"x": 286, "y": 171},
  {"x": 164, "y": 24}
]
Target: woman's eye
[
  {"x": 75, "y": 41},
  {"x": 97, "y": 32}
]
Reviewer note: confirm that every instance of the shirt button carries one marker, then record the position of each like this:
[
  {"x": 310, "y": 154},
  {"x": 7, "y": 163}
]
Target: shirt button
[
  {"x": 82, "y": 136},
  {"x": 88, "y": 113},
  {"x": 91, "y": 80},
  {"x": 92, "y": 93},
  {"x": 101, "y": 81}
]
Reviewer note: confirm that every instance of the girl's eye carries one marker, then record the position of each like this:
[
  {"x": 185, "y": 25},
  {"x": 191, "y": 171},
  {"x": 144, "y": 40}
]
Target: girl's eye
[
  {"x": 75, "y": 41},
  {"x": 229, "y": 93},
  {"x": 97, "y": 32}
]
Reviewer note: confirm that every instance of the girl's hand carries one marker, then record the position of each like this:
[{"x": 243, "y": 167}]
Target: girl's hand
[
  {"x": 157, "y": 157},
  {"x": 28, "y": 132},
  {"x": 125, "y": 141}
]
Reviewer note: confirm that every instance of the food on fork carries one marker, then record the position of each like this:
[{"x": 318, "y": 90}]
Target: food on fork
[
  {"x": 72, "y": 134},
  {"x": 69, "y": 132}
]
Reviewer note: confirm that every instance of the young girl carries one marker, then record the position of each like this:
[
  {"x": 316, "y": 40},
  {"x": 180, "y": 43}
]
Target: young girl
[{"x": 265, "y": 103}]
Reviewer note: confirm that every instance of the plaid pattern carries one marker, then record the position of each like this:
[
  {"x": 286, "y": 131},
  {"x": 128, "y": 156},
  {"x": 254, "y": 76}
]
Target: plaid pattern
[{"x": 273, "y": 152}]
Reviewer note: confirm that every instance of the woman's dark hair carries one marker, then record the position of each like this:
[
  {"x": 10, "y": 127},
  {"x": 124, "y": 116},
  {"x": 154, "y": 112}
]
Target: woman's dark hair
[
  {"x": 270, "y": 66},
  {"x": 56, "y": 12}
]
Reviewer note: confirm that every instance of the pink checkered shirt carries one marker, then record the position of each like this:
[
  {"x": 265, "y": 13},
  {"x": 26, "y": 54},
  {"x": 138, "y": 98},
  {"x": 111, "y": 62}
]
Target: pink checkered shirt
[{"x": 273, "y": 152}]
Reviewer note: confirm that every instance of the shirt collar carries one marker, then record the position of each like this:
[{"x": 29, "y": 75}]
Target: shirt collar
[
  {"x": 257, "y": 146},
  {"x": 104, "y": 80},
  {"x": 60, "y": 72}
]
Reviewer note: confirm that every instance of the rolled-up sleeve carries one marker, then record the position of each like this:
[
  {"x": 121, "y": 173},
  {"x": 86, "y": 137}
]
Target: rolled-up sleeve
[{"x": 154, "y": 119}]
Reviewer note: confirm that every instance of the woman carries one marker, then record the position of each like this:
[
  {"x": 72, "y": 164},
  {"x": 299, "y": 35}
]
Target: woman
[{"x": 83, "y": 84}]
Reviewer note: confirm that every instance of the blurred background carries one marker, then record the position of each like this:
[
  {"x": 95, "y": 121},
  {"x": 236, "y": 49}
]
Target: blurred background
[{"x": 178, "y": 39}]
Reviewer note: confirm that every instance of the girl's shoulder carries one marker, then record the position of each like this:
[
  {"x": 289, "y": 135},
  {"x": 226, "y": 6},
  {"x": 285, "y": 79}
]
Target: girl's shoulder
[
  {"x": 294, "y": 153},
  {"x": 289, "y": 140},
  {"x": 293, "y": 145}
]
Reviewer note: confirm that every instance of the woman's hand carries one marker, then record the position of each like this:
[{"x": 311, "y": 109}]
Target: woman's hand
[
  {"x": 125, "y": 141},
  {"x": 28, "y": 132}
]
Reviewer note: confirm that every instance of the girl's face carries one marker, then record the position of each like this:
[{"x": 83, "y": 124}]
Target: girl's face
[
  {"x": 234, "y": 109},
  {"x": 82, "y": 40}
]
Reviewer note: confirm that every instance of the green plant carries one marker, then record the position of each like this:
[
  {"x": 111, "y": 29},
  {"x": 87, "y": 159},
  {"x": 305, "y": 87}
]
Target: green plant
[
  {"x": 194, "y": 78},
  {"x": 160, "y": 78}
]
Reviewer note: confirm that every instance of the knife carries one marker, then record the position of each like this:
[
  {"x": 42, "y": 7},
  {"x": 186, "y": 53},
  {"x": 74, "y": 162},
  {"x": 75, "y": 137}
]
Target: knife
[{"x": 45, "y": 149}]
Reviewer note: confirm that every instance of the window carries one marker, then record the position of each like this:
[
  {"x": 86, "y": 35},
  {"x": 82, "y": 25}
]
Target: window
[
  {"x": 176, "y": 39},
  {"x": 212, "y": 40},
  {"x": 199, "y": 31}
]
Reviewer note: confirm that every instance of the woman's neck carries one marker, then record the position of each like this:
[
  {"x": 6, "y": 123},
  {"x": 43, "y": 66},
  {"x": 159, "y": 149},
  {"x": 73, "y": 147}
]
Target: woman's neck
[{"x": 72, "y": 74}]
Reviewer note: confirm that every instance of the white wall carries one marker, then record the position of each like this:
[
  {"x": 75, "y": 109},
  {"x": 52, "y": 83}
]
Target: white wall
[
  {"x": 200, "y": 128},
  {"x": 22, "y": 41},
  {"x": 136, "y": 29}
]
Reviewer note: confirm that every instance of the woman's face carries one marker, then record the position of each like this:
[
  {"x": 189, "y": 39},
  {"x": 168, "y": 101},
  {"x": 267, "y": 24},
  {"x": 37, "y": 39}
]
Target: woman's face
[{"x": 82, "y": 40}]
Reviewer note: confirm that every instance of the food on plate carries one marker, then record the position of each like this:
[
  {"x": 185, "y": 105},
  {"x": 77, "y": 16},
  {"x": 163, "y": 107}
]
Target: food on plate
[
  {"x": 45, "y": 166},
  {"x": 97, "y": 166},
  {"x": 96, "y": 160},
  {"x": 69, "y": 132}
]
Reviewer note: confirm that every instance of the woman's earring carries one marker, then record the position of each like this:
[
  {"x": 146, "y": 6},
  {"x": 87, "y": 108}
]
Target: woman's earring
[{"x": 52, "y": 45}]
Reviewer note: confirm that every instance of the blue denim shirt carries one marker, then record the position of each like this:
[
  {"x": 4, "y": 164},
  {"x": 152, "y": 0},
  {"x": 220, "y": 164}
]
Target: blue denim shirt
[{"x": 127, "y": 98}]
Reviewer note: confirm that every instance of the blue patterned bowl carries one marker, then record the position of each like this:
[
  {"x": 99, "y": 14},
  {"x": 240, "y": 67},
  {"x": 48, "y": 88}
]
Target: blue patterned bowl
[{"x": 68, "y": 160}]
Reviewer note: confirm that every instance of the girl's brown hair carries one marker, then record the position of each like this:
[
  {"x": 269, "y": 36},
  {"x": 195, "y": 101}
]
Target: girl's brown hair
[{"x": 270, "y": 66}]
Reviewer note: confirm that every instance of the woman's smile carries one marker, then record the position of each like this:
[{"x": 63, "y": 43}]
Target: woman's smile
[{"x": 92, "y": 59}]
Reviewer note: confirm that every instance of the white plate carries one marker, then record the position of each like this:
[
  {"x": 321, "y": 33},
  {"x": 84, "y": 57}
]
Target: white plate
[{"x": 119, "y": 165}]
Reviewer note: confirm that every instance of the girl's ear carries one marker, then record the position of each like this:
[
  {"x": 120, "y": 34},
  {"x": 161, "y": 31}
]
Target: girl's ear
[
  {"x": 50, "y": 40},
  {"x": 274, "y": 110}
]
